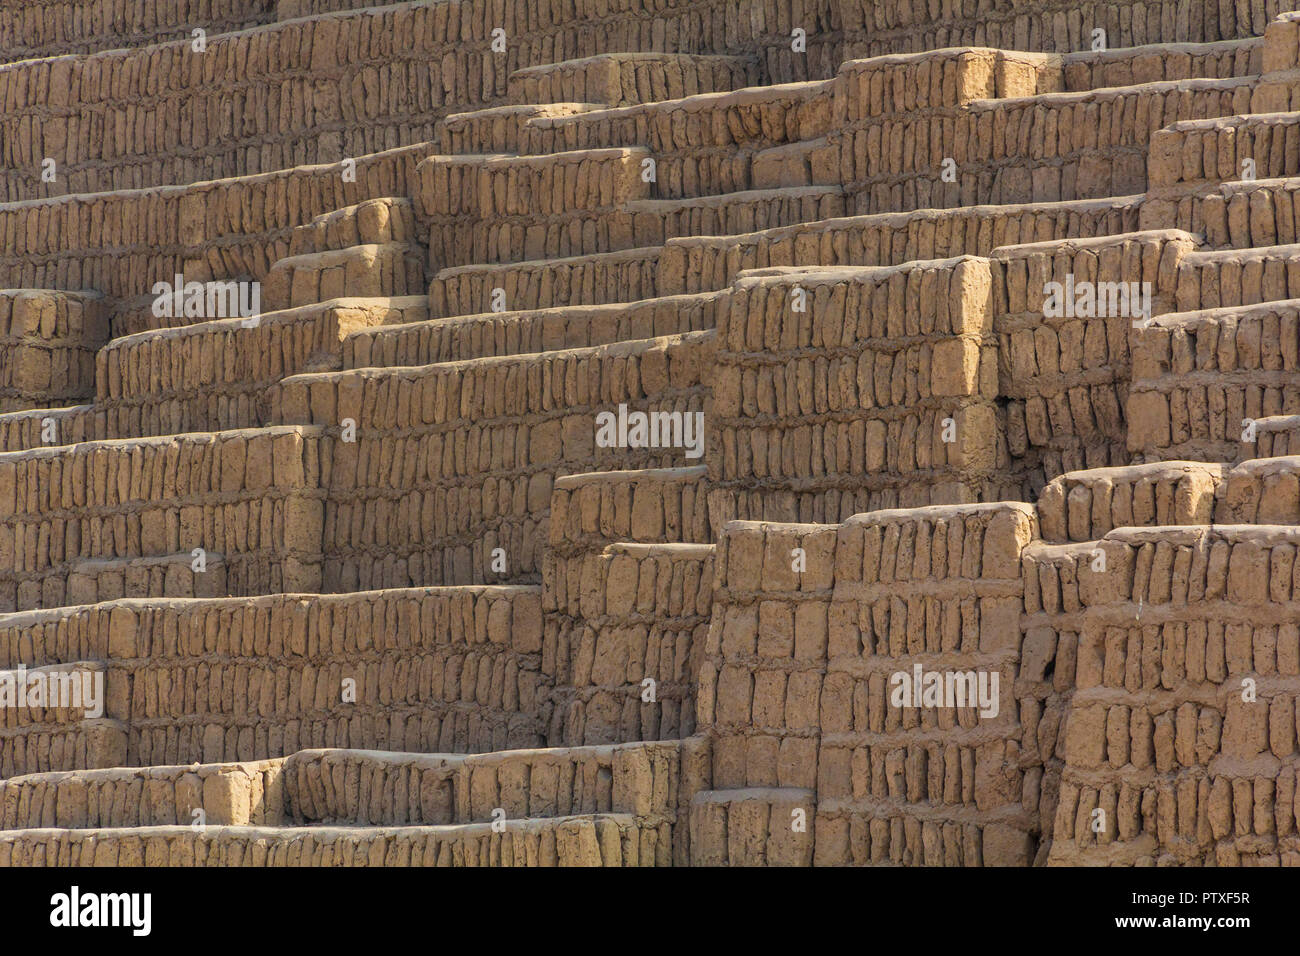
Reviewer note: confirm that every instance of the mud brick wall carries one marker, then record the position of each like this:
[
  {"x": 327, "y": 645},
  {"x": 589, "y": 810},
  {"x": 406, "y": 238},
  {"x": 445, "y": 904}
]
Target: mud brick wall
[
  {"x": 874, "y": 27},
  {"x": 896, "y": 118},
  {"x": 238, "y": 794},
  {"x": 121, "y": 243},
  {"x": 41, "y": 748},
  {"x": 1263, "y": 491},
  {"x": 646, "y": 781},
  {"x": 32, "y": 29},
  {"x": 621, "y": 79},
  {"x": 840, "y": 409},
  {"x": 305, "y": 91},
  {"x": 650, "y": 506},
  {"x": 626, "y": 276},
  {"x": 1187, "y": 767},
  {"x": 522, "y": 333},
  {"x": 1085, "y": 505},
  {"x": 252, "y": 497},
  {"x": 496, "y": 130},
  {"x": 617, "y": 612},
  {"x": 1012, "y": 136},
  {"x": 480, "y": 209},
  {"x": 614, "y": 619},
  {"x": 20, "y": 431},
  {"x": 1210, "y": 279},
  {"x": 540, "y": 31},
  {"x": 794, "y": 683},
  {"x": 1197, "y": 376},
  {"x": 1092, "y": 70},
  {"x": 1233, "y": 215},
  {"x": 765, "y": 658},
  {"x": 1193, "y": 157},
  {"x": 1067, "y": 377},
  {"x": 435, "y": 670},
  {"x": 217, "y": 375},
  {"x": 170, "y": 576},
  {"x": 613, "y": 840},
  {"x": 380, "y": 221},
  {"x": 655, "y": 221},
  {"x": 699, "y": 262},
  {"x": 702, "y": 145},
  {"x": 1276, "y": 435},
  {"x": 394, "y": 269},
  {"x": 455, "y": 460},
  {"x": 47, "y": 347}
]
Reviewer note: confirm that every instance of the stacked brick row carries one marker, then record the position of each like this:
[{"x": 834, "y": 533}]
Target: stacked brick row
[
  {"x": 217, "y": 375},
  {"x": 840, "y": 391},
  {"x": 528, "y": 331},
  {"x": 622, "y": 79},
  {"x": 627, "y": 276},
  {"x": 481, "y": 209},
  {"x": 1066, "y": 368},
  {"x": 606, "y": 840},
  {"x": 1183, "y": 730},
  {"x": 451, "y": 462},
  {"x": 122, "y": 243},
  {"x": 551, "y": 31},
  {"x": 1200, "y": 379},
  {"x": 251, "y": 496},
  {"x": 874, "y": 27},
  {"x": 297, "y": 93},
  {"x": 712, "y": 261},
  {"x": 433, "y": 670},
  {"x": 34, "y": 29},
  {"x": 796, "y": 685},
  {"x": 47, "y": 346}
]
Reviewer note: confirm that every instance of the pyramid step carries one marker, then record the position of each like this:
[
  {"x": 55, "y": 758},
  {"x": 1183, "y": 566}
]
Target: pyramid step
[
  {"x": 1223, "y": 277},
  {"x": 483, "y": 209},
  {"x": 497, "y": 129},
  {"x": 1153, "y": 63},
  {"x": 699, "y": 262},
  {"x": 363, "y": 271},
  {"x": 20, "y": 431},
  {"x": 173, "y": 575},
  {"x": 752, "y": 826},
  {"x": 116, "y": 797},
  {"x": 655, "y": 220},
  {"x": 381, "y": 221},
  {"x": 455, "y": 670},
  {"x": 1275, "y": 436},
  {"x": 628, "y": 625},
  {"x": 522, "y": 420},
  {"x": 737, "y": 125},
  {"x": 162, "y": 495},
  {"x": 1201, "y": 378},
  {"x": 519, "y": 333},
  {"x": 1196, "y": 155},
  {"x": 599, "y": 279},
  {"x": 376, "y": 788},
  {"x": 213, "y": 376},
  {"x": 592, "y": 510},
  {"x": 62, "y": 745},
  {"x": 590, "y": 840},
  {"x": 623, "y": 79},
  {"x": 47, "y": 346},
  {"x": 1084, "y": 505}
]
